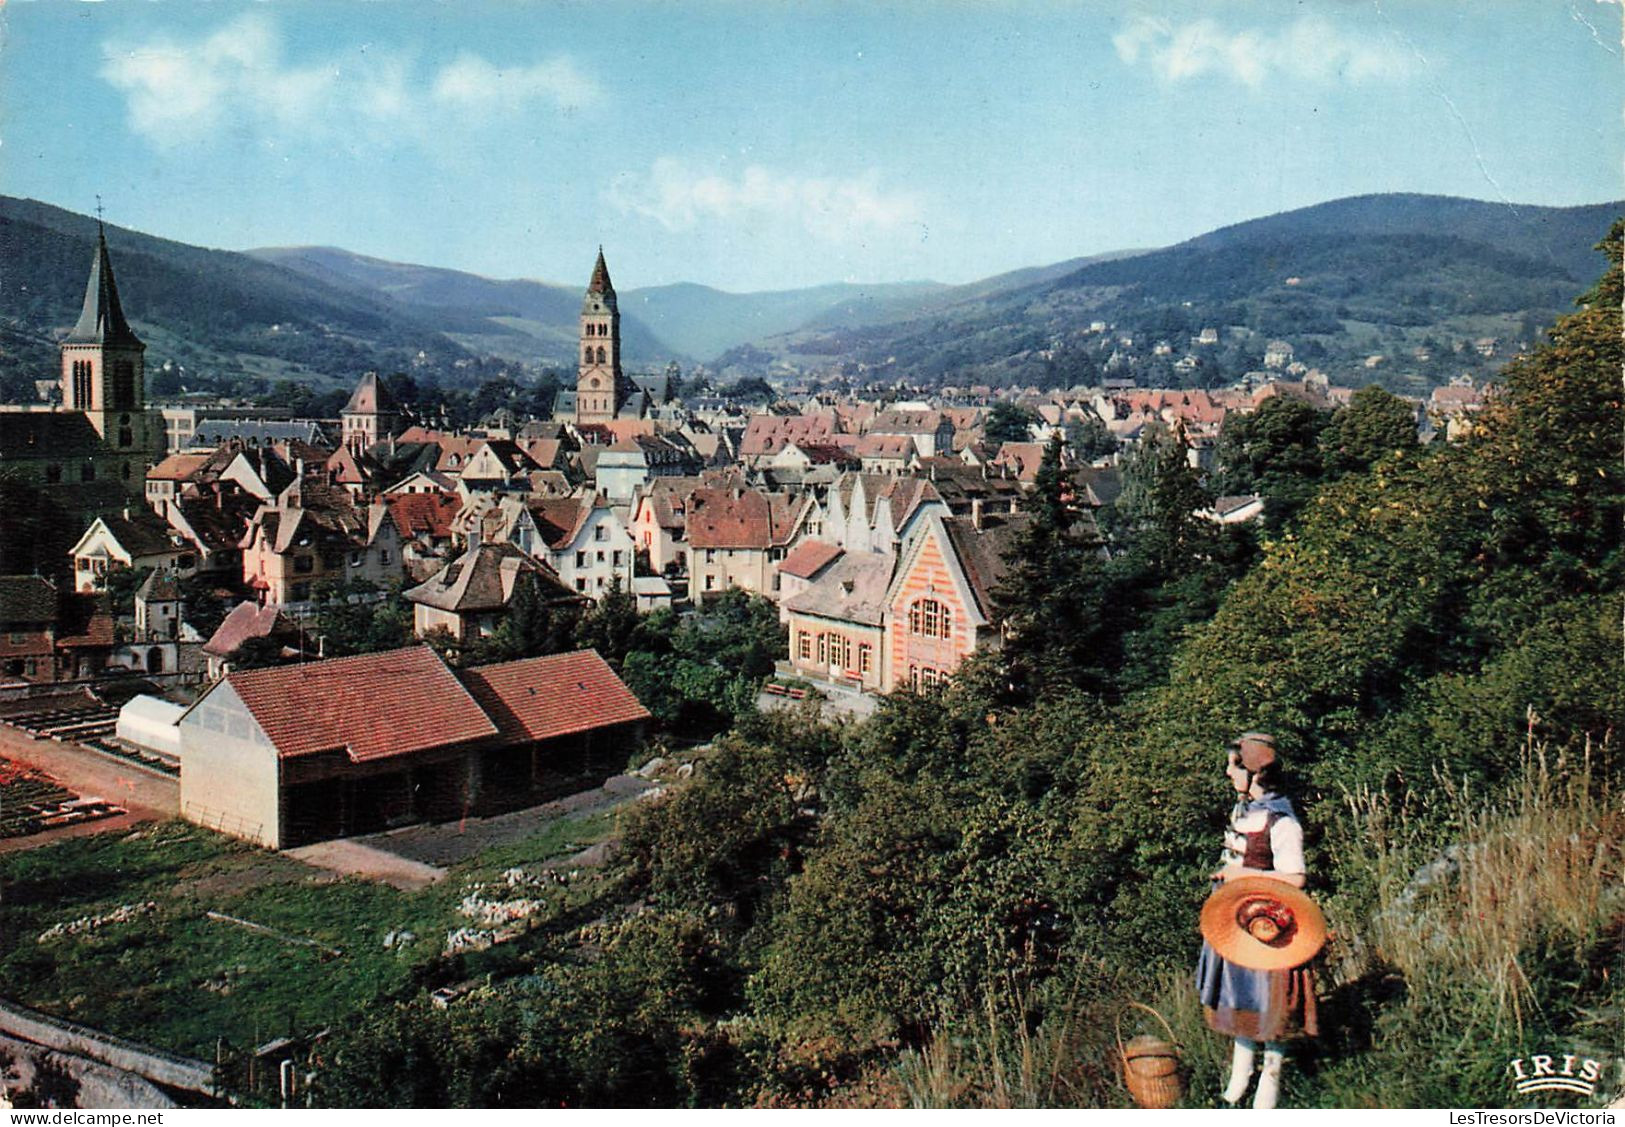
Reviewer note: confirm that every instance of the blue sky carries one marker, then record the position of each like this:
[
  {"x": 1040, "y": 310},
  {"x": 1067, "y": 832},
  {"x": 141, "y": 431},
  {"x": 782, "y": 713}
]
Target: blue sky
[{"x": 754, "y": 145}]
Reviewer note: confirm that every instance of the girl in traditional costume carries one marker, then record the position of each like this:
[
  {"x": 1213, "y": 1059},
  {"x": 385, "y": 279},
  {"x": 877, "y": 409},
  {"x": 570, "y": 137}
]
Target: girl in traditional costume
[{"x": 1264, "y": 839}]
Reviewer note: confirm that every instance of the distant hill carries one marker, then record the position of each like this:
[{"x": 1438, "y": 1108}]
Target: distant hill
[
  {"x": 1364, "y": 288},
  {"x": 212, "y": 310},
  {"x": 535, "y": 322},
  {"x": 708, "y": 321},
  {"x": 1382, "y": 276}
]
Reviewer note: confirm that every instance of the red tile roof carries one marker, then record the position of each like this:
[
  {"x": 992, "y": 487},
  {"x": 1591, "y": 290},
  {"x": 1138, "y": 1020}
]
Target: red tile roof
[
  {"x": 541, "y": 698},
  {"x": 768, "y": 434},
  {"x": 371, "y": 706},
  {"x": 427, "y": 514},
  {"x": 739, "y": 518},
  {"x": 178, "y": 467},
  {"x": 246, "y": 620},
  {"x": 808, "y": 558}
]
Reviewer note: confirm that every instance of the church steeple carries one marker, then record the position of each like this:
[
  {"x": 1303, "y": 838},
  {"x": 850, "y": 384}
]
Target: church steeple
[
  {"x": 600, "y": 283},
  {"x": 601, "y": 388},
  {"x": 103, "y": 371},
  {"x": 101, "y": 318}
]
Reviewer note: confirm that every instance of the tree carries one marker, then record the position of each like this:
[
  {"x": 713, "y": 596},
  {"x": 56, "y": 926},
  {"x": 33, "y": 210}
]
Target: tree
[
  {"x": 533, "y": 627},
  {"x": 611, "y": 625},
  {"x": 204, "y": 609},
  {"x": 1374, "y": 424},
  {"x": 752, "y": 388},
  {"x": 122, "y": 584},
  {"x": 1052, "y": 597},
  {"x": 1157, "y": 511},
  {"x": 1274, "y": 452},
  {"x": 257, "y": 653},
  {"x": 344, "y": 615},
  {"x": 1007, "y": 422},
  {"x": 1089, "y": 439}
]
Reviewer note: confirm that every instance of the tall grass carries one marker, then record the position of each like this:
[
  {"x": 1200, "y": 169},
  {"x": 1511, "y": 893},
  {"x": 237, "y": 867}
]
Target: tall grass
[
  {"x": 1539, "y": 865},
  {"x": 1014, "y": 1052},
  {"x": 1475, "y": 926}
]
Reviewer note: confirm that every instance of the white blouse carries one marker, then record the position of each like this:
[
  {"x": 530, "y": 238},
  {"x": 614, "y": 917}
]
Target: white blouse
[{"x": 1286, "y": 837}]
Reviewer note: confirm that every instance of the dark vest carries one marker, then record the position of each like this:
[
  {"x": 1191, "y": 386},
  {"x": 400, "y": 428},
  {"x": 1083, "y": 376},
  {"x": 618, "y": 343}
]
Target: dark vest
[{"x": 1260, "y": 854}]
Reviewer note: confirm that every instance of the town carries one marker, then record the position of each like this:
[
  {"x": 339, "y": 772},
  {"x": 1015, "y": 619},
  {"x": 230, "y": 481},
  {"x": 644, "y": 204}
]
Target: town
[
  {"x": 817, "y": 556},
  {"x": 215, "y": 536}
]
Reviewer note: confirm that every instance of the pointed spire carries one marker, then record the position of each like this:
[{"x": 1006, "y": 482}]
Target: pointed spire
[
  {"x": 600, "y": 277},
  {"x": 101, "y": 320},
  {"x": 371, "y": 397}
]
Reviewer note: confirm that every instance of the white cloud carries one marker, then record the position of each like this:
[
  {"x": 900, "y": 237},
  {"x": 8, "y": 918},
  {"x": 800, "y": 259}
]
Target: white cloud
[
  {"x": 237, "y": 78},
  {"x": 474, "y": 83},
  {"x": 1310, "y": 49},
  {"x": 680, "y": 197}
]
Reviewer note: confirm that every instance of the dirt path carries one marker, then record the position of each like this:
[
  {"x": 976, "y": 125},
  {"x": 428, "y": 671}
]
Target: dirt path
[
  {"x": 353, "y": 857},
  {"x": 146, "y": 795},
  {"x": 450, "y": 842}
]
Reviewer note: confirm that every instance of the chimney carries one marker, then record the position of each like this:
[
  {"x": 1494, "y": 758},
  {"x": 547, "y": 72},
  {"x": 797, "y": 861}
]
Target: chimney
[{"x": 976, "y": 513}]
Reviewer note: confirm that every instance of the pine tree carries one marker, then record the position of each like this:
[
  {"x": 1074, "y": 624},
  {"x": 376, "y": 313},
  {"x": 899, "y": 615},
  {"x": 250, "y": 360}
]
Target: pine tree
[{"x": 1053, "y": 598}]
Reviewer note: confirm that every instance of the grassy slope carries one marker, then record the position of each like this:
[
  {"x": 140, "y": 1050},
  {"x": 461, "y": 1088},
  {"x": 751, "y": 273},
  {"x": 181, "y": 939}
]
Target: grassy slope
[{"x": 176, "y": 979}]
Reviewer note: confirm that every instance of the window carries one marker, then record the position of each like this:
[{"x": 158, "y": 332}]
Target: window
[
  {"x": 866, "y": 657},
  {"x": 823, "y": 649},
  {"x": 930, "y": 619},
  {"x": 601, "y": 356},
  {"x": 581, "y": 558},
  {"x": 581, "y": 584},
  {"x": 300, "y": 591},
  {"x": 356, "y": 558},
  {"x": 600, "y": 533},
  {"x": 53, "y": 475},
  {"x": 599, "y": 557},
  {"x": 89, "y": 471},
  {"x": 710, "y": 583},
  {"x": 840, "y": 650},
  {"x": 186, "y": 562},
  {"x": 925, "y": 677},
  {"x": 383, "y": 555},
  {"x": 710, "y": 555},
  {"x": 616, "y": 557},
  {"x": 803, "y": 645},
  {"x": 303, "y": 564}
]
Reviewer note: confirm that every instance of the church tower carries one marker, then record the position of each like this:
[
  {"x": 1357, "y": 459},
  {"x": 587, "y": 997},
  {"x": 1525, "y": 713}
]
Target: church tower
[
  {"x": 370, "y": 416},
  {"x": 601, "y": 387},
  {"x": 103, "y": 372}
]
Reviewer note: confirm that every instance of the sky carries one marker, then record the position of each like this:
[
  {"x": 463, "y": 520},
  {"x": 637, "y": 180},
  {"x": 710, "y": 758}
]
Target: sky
[{"x": 763, "y": 144}]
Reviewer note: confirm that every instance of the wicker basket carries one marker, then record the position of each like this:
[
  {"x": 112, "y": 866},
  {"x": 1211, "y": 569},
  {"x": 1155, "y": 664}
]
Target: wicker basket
[{"x": 1151, "y": 1065}]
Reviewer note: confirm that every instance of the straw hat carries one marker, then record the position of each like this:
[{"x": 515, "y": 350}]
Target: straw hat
[{"x": 1263, "y": 924}]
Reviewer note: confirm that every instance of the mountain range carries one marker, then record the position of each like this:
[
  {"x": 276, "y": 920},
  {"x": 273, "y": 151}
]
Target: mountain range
[{"x": 1342, "y": 277}]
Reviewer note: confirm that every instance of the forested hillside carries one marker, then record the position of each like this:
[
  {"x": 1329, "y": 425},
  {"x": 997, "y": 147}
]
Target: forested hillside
[
  {"x": 951, "y": 903},
  {"x": 1343, "y": 281},
  {"x": 211, "y": 310}
]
